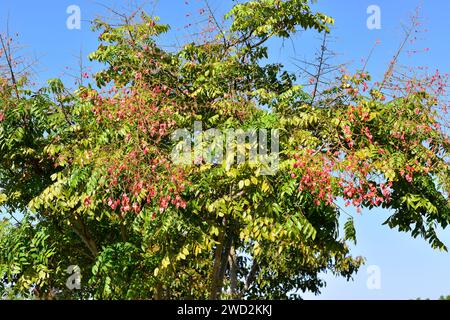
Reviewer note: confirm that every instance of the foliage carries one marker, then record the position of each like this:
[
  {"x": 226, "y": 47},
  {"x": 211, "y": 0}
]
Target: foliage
[{"x": 91, "y": 172}]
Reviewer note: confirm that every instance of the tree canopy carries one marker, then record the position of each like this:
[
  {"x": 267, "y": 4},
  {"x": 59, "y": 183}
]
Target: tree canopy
[{"x": 91, "y": 175}]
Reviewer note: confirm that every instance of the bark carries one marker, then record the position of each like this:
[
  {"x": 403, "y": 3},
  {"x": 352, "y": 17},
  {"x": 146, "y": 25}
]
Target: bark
[
  {"x": 80, "y": 229},
  {"x": 250, "y": 278},
  {"x": 159, "y": 292},
  {"x": 223, "y": 266},
  {"x": 233, "y": 272},
  {"x": 220, "y": 263}
]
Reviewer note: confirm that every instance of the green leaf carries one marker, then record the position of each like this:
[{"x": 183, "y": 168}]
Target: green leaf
[{"x": 349, "y": 230}]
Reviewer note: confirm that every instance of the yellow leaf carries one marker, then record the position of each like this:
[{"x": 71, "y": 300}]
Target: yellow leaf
[
  {"x": 257, "y": 249},
  {"x": 214, "y": 230},
  {"x": 165, "y": 262},
  {"x": 390, "y": 174},
  {"x": 264, "y": 186}
]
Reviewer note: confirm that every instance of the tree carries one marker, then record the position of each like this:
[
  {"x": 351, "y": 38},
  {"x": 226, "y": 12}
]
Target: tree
[{"x": 92, "y": 174}]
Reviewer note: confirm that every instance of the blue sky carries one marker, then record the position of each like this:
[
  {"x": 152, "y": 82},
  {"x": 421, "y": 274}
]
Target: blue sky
[{"x": 409, "y": 267}]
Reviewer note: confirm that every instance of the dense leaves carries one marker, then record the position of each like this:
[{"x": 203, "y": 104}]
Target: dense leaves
[{"x": 90, "y": 171}]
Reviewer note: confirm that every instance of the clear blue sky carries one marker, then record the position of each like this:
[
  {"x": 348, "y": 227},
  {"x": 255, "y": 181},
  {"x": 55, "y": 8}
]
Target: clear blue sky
[{"x": 409, "y": 267}]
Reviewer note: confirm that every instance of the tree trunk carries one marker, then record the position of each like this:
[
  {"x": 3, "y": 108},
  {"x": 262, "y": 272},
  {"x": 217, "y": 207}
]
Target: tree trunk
[
  {"x": 220, "y": 263},
  {"x": 250, "y": 278},
  {"x": 81, "y": 230},
  {"x": 233, "y": 272}
]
